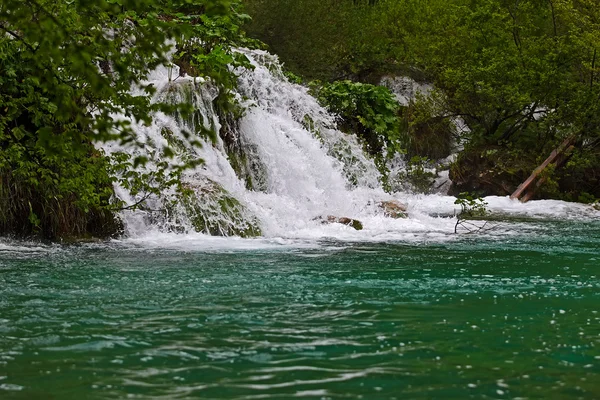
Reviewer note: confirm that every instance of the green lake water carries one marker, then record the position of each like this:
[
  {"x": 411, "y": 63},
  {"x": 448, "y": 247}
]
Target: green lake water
[{"x": 514, "y": 315}]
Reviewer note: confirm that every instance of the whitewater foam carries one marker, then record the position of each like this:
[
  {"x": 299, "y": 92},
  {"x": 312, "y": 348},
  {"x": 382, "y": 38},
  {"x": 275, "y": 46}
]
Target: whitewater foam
[{"x": 308, "y": 169}]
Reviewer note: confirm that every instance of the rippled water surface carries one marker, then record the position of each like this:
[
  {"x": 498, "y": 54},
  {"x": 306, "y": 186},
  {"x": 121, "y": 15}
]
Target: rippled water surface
[{"x": 515, "y": 316}]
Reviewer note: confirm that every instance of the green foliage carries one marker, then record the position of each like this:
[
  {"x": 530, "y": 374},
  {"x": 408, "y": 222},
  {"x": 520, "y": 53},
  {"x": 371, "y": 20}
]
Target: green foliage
[
  {"x": 471, "y": 206},
  {"x": 370, "y": 112},
  {"x": 473, "y": 211},
  {"x": 66, "y": 68},
  {"x": 587, "y": 198},
  {"x": 293, "y": 78},
  {"x": 367, "y": 110},
  {"x": 417, "y": 178},
  {"x": 49, "y": 196},
  {"x": 579, "y": 178},
  {"x": 321, "y": 39},
  {"x": 209, "y": 52},
  {"x": 521, "y": 75},
  {"x": 428, "y": 129}
]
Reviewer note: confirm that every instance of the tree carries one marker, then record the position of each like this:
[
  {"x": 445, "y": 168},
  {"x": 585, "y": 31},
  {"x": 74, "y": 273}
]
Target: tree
[
  {"x": 523, "y": 75},
  {"x": 321, "y": 39},
  {"x": 66, "y": 69}
]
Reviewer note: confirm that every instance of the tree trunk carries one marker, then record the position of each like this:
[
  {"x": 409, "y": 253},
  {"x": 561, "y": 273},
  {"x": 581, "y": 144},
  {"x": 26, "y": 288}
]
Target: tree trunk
[{"x": 525, "y": 191}]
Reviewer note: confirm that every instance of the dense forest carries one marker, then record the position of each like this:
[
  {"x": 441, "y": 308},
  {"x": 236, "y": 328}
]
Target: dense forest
[
  {"x": 523, "y": 76},
  {"x": 511, "y": 82}
]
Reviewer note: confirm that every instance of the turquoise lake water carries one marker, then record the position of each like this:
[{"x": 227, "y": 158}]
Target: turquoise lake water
[{"x": 476, "y": 316}]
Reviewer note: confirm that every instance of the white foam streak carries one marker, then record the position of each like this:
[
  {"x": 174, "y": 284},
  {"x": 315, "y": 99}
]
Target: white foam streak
[{"x": 504, "y": 206}]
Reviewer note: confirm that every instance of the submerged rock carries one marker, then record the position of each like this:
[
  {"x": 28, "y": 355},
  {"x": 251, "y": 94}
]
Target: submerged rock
[
  {"x": 331, "y": 219},
  {"x": 393, "y": 209}
]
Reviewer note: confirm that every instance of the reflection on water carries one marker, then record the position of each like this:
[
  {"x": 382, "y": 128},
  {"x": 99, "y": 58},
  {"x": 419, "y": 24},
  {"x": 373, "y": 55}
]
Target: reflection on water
[{"x": 472, "y": 318}]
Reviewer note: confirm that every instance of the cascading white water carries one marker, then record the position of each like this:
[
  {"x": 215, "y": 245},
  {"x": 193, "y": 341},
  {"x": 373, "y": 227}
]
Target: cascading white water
[
  {"x": 296, "y": 167},
  {"x": 312, "y": 169}
]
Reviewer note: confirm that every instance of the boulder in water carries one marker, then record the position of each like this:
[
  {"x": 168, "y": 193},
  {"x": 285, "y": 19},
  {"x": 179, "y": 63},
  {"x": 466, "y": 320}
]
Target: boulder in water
[
  {"x": 393, "y": 209},
  {"x": 332, "y": 219}
]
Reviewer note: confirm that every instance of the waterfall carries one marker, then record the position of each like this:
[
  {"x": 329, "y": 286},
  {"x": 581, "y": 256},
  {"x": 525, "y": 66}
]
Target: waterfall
[{"x": 278, "y": 170}]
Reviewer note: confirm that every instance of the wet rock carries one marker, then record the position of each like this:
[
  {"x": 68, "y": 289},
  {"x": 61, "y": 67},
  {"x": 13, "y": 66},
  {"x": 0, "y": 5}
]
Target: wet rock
[
  {"x": 331, "y": 219},
  {"x": 211, "y": 209},
  {"x": 243, "y": 156},
  {"x": 356, "y": 224},
  {"x": 393, "y": 209}
]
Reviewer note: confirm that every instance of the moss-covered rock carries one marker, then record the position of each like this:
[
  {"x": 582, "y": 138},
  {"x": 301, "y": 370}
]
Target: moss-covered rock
[
  {"x": 243, "y": 157},
  {"x": 211, "y": 209},
  {"x": 196, "y": 101}
]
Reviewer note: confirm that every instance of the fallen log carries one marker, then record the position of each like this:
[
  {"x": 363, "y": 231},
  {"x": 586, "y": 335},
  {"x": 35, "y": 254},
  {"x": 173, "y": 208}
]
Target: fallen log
[
  {"x": 564, "y": 156},
  {"x": 525, "y": 192}
]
